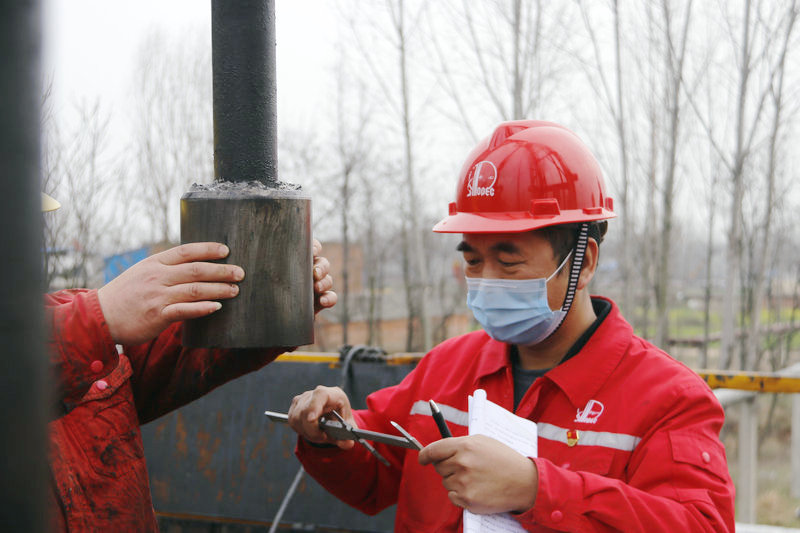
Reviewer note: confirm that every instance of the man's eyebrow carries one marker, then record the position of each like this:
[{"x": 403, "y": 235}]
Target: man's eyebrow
[
  {"x": 506, "y": 247},
  {"x": 464, "y": 247}
]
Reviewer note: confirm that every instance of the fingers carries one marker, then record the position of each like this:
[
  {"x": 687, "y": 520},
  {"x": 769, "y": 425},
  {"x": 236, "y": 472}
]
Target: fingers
[
  {"x": 202, "y": 272},
  {"x": 307, "y": 408},
  {"x": 187, "y": 311},
  {"x": 456, "y": 499},
  {"x": 324, "y": 297},
  {"x": 439, "y": 451},
  {"x": 193, "y": 251},
  {"x": 199, "y": 291},
  {"x": 325, "y": 301},
  {"x": 323, "y": 284},
  {"x": 322, "y": 268}
]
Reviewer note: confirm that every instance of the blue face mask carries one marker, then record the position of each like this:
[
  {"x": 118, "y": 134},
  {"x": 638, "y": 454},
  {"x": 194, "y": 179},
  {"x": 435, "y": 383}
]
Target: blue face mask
[{"x": 514, "y": 311}]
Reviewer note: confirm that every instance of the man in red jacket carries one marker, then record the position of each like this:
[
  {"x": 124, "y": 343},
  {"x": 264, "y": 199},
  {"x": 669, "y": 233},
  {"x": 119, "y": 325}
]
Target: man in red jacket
[
  {"x": 628, "y": 438},
  {"x": 99, "y": 476}
]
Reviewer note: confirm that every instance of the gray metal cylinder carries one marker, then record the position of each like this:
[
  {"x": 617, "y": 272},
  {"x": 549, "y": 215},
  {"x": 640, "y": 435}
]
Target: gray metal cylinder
[{"x": 268, "y": 232}]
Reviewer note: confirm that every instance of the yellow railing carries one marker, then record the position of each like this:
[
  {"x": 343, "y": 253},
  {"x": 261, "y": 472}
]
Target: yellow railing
[
  {"x": 716, "y": 379},
  {"x": 751, "y": 381},
  {"x": 332, "y": 358}
]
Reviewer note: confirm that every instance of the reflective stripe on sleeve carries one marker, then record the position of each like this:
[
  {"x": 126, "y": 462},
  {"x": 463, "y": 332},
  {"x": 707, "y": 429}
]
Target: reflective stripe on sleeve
[{"x": 451, "y": 414}]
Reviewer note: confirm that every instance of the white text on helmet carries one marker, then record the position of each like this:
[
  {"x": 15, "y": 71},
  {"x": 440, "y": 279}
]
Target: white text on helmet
[{"x": 481, "y": 180}]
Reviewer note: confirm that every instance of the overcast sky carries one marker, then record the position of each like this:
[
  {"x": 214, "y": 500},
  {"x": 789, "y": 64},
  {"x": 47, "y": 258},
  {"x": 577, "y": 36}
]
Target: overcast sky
[{"x": 90, "y": 46}]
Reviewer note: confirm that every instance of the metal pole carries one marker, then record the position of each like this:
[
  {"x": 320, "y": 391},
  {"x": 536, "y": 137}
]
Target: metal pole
[
  {"x": 747, "y": 487},
  {"x": 795, "y": 446},
  {"x": 23, "y": 387},
  {"x": 245, "y": 91}
]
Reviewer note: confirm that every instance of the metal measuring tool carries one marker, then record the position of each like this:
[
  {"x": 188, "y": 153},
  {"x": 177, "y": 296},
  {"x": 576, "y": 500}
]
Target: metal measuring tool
[
  {"x": 407, "y": 435},
  {"x": 359, "y": 439}
]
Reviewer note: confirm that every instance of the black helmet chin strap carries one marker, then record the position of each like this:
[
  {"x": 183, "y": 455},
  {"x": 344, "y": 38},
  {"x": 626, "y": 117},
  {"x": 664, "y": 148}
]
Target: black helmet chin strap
[{"x": 575, "y": 267}]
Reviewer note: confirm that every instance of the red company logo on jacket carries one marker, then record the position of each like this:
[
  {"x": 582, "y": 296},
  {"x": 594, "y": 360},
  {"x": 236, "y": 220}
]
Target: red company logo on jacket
[
  {"x": 590, "y": 413},
  {"x": 481, "y": 179}
]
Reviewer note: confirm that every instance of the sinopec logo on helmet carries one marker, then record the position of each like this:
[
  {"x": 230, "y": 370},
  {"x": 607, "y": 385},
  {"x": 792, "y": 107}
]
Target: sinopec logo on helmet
[{"x": 481, "y": 180}]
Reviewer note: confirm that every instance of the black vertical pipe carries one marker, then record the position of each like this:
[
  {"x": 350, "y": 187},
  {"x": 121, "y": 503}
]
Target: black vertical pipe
[
  {"x": 23, "y": 388},
  {"x": 245, "y": 90}
]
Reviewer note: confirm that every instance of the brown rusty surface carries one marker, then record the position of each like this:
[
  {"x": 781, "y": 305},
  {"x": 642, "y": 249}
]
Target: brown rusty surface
[
  {"x": 221, "y": 457},
  {"x": 180, "y": 434}
]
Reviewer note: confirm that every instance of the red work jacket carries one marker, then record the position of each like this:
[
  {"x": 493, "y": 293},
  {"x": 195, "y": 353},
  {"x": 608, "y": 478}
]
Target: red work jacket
[
  {"x": 628, "y": 439},
  {"x": 99, "y": 477}
]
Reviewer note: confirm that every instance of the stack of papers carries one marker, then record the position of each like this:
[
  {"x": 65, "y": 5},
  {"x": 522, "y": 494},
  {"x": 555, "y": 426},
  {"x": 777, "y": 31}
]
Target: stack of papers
[{"x": 488, "y": 418}]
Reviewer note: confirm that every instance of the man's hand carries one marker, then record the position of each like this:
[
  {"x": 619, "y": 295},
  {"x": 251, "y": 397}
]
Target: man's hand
[
  {"x": 177, "y": 284},
  {"x": 324, "y": 297},
  {"x": 482, "y": 474},
  {"x": 308, "y": 407}
]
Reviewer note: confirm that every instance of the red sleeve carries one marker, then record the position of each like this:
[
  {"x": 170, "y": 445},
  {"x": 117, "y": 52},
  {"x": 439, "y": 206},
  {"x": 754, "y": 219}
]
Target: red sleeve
[
  {"x": 355, "y": 476},
  {"x": 80, "y": 345},
  {"x": 167, "y": 376},
  {"x": 677, "y": 480}
]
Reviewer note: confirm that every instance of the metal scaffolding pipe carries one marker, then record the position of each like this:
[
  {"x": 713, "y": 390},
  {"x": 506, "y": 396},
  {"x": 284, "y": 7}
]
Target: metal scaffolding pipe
[{"x": 24, "y": 389}]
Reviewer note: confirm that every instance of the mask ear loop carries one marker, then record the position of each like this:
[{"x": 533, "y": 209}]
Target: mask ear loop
[
  {"x": 574, "y": 271},
  {"x": 557, "y": 270}
]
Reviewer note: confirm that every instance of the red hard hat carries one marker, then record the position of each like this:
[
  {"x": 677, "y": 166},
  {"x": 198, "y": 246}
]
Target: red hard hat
[{"x": 528, "y": 174}]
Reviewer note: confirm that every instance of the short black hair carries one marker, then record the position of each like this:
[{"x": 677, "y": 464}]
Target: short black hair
[{"x": 562, "y": 238}]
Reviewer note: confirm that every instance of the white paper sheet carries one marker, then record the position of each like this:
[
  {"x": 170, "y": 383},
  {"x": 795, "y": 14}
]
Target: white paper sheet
[{"x": 488, "y": 418}]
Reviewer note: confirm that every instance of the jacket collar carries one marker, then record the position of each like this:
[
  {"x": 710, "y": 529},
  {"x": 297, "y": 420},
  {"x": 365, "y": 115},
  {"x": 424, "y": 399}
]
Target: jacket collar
[
  {"x": 582, "y": 376},
  {"x": 493, "y": 357}
]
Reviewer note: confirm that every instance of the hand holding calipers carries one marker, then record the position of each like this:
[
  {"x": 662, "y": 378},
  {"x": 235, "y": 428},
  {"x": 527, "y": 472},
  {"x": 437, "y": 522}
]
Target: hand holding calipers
[{"x": 341, "y": 430}]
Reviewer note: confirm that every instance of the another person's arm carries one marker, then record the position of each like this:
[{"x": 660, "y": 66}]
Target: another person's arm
[
  {"x": 80, "y": 347},
  {"x": 135, "y": 308},
  {"x": 165, "y": 374}
]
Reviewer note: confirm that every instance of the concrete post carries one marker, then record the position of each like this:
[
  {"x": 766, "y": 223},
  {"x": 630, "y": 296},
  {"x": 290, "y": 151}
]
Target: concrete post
[
  {"x": 795, "y": 450},
  {"x": 746, "y": 488}
]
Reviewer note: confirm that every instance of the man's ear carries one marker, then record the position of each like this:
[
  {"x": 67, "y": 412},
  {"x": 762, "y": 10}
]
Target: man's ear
[{"x": 589, "y": 263}]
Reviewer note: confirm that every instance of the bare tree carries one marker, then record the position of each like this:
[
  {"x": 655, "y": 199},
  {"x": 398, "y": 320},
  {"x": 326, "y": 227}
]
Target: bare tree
[
  {"x": 78, "y": 171},
  {"x": 764, "y": 240},
  {"x": 613, "y": 98},
  {"x": 508, "y": 55},
  {"x": 756, "y": 45},
  {"x": 402, "y": 26},
  {"x": 353, "y": 112},
  {"x": 53, "y": 230},
  {"x": 173, "y": 141},
  {"x": 675, "y": 55},
  {"x": 375, "y": 253}
]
